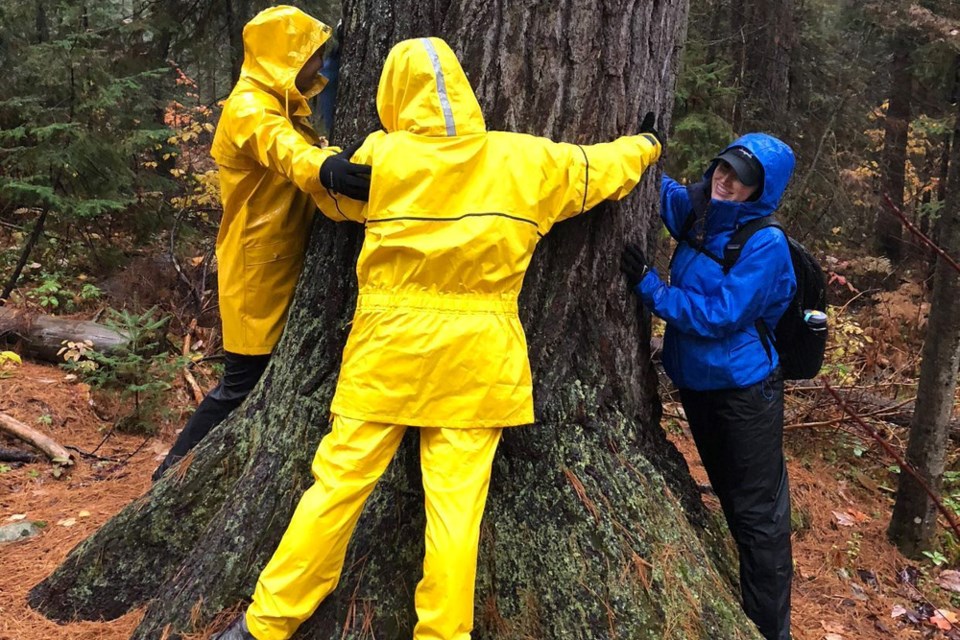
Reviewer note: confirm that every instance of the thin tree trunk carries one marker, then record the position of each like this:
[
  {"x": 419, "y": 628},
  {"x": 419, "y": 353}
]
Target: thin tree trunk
[
  {"x": 236, "y": 16},
  {"x": 913, "y": 526},
  {"x": 719, "y": 42},
  {"x": 952, "y": 96},
  {"x": 738, "y": 30},
  {"x": 593, "y": 526},
  {"x": 24, "y": 256},
  {"x": 43, "y": 28},
  {"x": 894, "y": 157}
]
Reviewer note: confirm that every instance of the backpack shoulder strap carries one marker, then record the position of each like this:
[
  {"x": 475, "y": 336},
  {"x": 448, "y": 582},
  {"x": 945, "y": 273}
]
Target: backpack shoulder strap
[{"x": 731, "y": 253}]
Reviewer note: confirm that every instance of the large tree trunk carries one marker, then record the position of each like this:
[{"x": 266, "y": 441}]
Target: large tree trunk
[
  {"x": 913, "y": 526},
  {"x": 593, "y": 527},
  {"x": 893, "y": 161}
]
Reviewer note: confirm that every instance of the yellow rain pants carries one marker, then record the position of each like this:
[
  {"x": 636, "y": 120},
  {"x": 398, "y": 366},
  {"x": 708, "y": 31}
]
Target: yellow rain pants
[{"x": 456, "y": 466}]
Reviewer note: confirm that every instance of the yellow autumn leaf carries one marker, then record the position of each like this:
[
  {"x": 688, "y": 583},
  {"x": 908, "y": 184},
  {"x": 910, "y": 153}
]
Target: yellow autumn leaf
[{"x": 10, "y": 356}]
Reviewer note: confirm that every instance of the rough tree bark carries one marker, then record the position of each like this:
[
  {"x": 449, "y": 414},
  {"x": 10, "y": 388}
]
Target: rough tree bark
[
  {"x": 593, "y": 526},
  {"x": 893, "y": 160},
  {"x": 913, "y": 525}
]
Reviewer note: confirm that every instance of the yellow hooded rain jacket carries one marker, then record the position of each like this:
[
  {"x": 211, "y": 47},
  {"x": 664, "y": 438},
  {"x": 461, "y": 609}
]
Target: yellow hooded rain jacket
[
  {"x": 269, "y": 166},
  {"x": 454, "y": 216}
]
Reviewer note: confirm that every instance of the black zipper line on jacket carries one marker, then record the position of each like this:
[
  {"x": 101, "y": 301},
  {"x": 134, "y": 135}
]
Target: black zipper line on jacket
[
  {"x": 466, "y": 215},
  {"x": 586, "y": 180}
]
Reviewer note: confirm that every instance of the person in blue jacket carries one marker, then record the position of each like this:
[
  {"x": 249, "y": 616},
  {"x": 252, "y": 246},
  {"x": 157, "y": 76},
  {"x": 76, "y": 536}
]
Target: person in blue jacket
[{"x": 718, "y": 352}]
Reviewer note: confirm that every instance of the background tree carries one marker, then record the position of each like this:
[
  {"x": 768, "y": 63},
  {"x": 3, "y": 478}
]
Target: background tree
[
  {"x": 77, "y": 122},
  {"x": 913, "y": 526},
  {"x": 896, "y": 125},
  {"x": 593, "y": 527},
  {"x": 766, "y": 29}
]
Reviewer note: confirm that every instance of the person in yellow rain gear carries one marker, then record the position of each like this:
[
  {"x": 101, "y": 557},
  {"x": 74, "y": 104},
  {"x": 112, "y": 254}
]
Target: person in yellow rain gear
[
  {"x": 270, "y": 165},
  {"x": 455, "y": 213}
]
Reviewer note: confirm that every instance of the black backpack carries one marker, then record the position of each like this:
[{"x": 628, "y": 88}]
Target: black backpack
[{"x": 800, "y": 347}]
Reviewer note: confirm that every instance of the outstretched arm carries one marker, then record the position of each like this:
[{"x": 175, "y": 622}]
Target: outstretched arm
[{"x": 586, "y": 175}]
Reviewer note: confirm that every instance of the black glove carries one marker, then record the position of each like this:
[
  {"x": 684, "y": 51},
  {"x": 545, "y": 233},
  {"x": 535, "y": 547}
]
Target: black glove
[
  {"x": 649, "y": 126},
  {"x": 633, "y": 264},
  {"x": 339, "y": 174}
]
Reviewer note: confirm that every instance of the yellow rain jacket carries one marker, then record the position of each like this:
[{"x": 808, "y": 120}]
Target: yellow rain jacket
[
  {"x": 454, "y": 216},
  {"x": 269, "y": 166}
]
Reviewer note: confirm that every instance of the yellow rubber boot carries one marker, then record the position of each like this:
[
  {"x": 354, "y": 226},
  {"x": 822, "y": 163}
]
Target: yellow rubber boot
[
  {"x": 306, "y": 565},
  {"x": 456, "y": 466}
]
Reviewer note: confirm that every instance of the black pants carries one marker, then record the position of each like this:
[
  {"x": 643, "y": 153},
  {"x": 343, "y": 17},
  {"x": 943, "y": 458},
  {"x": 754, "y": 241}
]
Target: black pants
[
  {"x": 739, "y": 434},
  {"x": 240, "y": 376}
]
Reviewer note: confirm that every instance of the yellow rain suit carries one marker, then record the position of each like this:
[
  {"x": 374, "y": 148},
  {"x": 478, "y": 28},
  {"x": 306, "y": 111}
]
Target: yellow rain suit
[
  {"x": 455, "y": 213},
  {"x": 269, "y": 167}
]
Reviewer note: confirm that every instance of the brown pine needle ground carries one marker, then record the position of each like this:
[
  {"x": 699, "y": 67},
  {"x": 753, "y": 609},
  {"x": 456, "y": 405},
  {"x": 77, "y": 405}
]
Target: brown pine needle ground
[{"x": 841, "y": 501}]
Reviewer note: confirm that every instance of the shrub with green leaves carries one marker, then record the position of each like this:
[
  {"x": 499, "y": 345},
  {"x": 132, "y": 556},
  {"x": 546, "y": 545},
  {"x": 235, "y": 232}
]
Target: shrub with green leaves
[{"x": 140, "y": 371}]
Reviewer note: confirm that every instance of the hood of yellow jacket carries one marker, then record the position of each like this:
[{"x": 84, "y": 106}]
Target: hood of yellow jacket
[
  {"x": 276, "y": 44},
  {"x": 423, "y": 90}
]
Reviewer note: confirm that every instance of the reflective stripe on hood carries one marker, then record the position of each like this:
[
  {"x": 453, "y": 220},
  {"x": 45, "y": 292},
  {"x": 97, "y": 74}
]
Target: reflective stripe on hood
[{"x": 423, "y": 90}]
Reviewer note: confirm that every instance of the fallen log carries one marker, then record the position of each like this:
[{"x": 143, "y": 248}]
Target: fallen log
[
  {"x": 897, "y": 412},
  {"x": 15, "y": 455},
  {"x": 41, "y": 337},
  {"x": 31, "y": 436}
]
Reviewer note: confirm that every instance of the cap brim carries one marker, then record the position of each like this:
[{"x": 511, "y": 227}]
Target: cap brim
[{"x": 746, "y": 173}]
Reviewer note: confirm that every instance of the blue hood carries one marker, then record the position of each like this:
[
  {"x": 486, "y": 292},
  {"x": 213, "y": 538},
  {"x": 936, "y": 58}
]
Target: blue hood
[{"x": 778, "y": 163}]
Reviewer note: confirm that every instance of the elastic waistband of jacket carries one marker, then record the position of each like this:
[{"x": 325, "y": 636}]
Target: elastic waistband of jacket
[{"x": 439, "y": 302}]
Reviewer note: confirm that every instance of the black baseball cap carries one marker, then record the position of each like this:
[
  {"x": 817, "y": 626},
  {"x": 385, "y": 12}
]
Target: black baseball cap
[{"x": 748, "y": 169}]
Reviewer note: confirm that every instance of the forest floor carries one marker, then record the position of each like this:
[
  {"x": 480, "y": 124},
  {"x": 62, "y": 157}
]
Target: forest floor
[{"x": 850, "y": 582}]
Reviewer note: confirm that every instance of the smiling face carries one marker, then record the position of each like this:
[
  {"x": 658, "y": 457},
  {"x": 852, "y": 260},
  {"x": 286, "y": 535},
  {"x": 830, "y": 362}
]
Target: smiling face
[{"x": 725, "y": 185}]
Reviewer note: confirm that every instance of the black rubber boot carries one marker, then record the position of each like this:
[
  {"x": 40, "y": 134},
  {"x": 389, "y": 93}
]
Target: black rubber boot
[{"x": 236, "y": 631}]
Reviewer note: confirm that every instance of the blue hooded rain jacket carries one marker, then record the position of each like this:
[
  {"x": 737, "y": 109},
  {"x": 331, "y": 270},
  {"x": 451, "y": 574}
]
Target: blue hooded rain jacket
[{"x": 711, "y": 340}]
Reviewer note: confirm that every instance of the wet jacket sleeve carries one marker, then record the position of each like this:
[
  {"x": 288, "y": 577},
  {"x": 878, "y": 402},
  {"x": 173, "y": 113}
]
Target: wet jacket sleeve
[
  {"x": 737, "y": 302},
  {"x": 339, "y": 207},
  {"x": 586, "y": 175},
  {"x": 675, "y": 205},
  {"x": 269, "y": 137}
]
